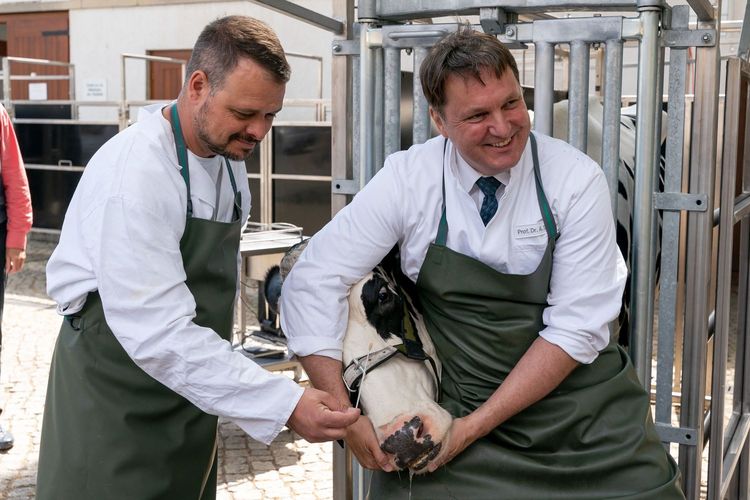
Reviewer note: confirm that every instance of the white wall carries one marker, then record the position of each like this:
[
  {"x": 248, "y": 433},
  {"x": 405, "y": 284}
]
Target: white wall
[{"x": 99, "y": 36}]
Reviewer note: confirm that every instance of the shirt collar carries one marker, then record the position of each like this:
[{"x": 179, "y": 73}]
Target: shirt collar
[{"x": 467, "y": 176}]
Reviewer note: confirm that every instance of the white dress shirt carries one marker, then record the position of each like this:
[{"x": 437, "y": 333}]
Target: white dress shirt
[
  {"x": 402, "y": 204},
  {"x": 121, "y": 236}
]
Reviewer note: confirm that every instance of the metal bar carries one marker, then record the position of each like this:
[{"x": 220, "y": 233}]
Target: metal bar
[
  {"x": 415, "y": 35},
  {"x": 72, "y": 91},
  {"x": 146, "y": 57},
  {"x": 742, "y": 207},
  {"x": 39, "y": 78},
  {"x": 392, "y": 101},
  {"x": 680, "y": 435},
  {"x": 699, "y": 243},
  {"x": 6, "y": 88},
  {"x": 675, "y": 202},
  {"x": 703, "y": 9},
  {"x": 611, "y": 117},
  {"x": 266, "y": 184},
  {"x": 671, "y": 226},
  {"x": 43, "y": 62},
  {"x": 377, "y": 118},
  {"x": 309, "y": 16},
  {"x": 578, "y": 95},
  {"x": 742, "y": 360},
  {"x": 356, "y": 93},
  {"x": 716, "y": 477},
  {"x": 63, "y": 121},
  {"x": 54, "y": 168},
  {"x": 406, "y": 9},
  {"x": 366, "y": 106},
  {"x": 642, "y": 280},
  {"x": 544, "y": 79},
  {"x": 743, "y": 47},
  {"x": 317, "y": 59},
  {"x": 421, "y": 127},
  {"x": 584, "y": 29},
  {"x": 343, "y": 91},
  {"x": 295, "y": 177},
  {"x": 732, "y": 457}
]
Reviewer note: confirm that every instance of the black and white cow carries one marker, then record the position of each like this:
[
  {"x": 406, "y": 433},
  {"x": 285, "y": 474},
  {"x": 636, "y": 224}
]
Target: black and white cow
[{"x": 386, "y": 345}]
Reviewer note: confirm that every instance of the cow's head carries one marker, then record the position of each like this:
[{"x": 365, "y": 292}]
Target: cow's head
[{"x": 398, "y": 395}]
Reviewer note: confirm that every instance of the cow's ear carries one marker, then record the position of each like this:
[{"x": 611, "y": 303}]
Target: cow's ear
[{"x": 439, "y": 122}]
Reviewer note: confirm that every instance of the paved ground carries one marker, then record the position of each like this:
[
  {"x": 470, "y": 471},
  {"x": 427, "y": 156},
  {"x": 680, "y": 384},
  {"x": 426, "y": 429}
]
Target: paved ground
[{"x": 288, "y": 468}]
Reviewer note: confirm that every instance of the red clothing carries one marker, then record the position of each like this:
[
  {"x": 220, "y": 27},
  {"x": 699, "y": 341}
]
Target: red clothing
[{"x": 15, "y": 184}]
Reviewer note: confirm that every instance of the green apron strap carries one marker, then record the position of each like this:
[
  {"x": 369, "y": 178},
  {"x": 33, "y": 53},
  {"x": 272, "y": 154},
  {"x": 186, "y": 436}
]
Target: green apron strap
[
  {"x": 237, "y": 194},
  {"x": 182, "y": 159},
  {"x": 549, "y": 220},
  {"x": 442, "y": 234}
]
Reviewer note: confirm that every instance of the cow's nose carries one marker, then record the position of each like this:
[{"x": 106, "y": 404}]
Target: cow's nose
[
  {"x": 410, "y": 445},
  {"x": 419, "y": 431}
]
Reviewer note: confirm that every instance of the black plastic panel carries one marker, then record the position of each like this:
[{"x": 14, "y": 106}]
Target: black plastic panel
[
  {"x": 48, "y": 144},
  {"x": 303, "y": 203},
  {"x": 302, "y": 150},
  {"x": 50, "y": 195}
]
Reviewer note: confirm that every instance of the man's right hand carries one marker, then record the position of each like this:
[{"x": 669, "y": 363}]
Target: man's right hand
[
  {"x": 319, "y": 417},
  {"x": 361, "y": 439}
]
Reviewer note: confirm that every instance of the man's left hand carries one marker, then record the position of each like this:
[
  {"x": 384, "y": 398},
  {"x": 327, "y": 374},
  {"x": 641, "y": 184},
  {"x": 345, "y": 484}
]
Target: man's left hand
[
  {"x": 14, "y": 259},
  {"x": 460, "y": 436}
]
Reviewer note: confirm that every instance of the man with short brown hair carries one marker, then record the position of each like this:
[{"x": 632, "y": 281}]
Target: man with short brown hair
[{"x": 146, "y": 276}]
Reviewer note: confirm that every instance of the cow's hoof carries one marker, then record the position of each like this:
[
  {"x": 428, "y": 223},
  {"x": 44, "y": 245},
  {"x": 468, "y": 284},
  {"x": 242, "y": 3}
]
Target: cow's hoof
[{"x": 411, "y": 448}]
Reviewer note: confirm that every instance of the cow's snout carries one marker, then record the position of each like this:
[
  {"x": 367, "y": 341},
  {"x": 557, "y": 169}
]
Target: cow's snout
[{"x": 412, "y": 443}]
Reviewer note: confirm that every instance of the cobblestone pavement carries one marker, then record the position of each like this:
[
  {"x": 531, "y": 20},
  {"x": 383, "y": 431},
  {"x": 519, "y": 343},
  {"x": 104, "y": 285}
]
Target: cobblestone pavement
[{"x": 288, "y": 468}]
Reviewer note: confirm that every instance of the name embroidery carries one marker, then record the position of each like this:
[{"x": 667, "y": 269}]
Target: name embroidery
[{"x": 530, "y": 230}]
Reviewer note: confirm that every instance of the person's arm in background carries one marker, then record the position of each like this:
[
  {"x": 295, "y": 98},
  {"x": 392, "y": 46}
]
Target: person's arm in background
[{"x": 17, "y": 196}]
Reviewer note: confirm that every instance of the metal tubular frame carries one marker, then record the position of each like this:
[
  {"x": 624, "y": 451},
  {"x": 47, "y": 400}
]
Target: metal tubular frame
[
  {"x": 544, "y": 76},
  {"x": 578, "y": 106},
  {"x": 642, "y": 273},
  {"x": 698, "y": 254},
  {"x": 727, "y": 443},
  {"x": 671, "y": 228},
  {"x": 611, "y": 117},
  {"x": 654, "y": 32}
]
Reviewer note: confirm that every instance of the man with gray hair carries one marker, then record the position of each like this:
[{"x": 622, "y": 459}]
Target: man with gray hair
[{"x": 146, "y": 276}]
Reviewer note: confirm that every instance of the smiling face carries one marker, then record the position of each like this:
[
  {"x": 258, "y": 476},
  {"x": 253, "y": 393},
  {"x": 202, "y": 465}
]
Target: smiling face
[
  {"x": 233, "y": 119},
  {"x": 487, "y": 120}
]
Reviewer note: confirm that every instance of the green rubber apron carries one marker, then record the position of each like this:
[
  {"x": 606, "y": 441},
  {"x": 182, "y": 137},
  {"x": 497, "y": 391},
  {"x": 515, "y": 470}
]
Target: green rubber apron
[
  {"x": 591, "y": 438},
  {"x": 110, "y": 430}
]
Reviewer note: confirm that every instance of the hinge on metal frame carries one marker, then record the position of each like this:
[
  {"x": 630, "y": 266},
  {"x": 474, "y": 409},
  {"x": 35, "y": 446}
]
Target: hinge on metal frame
[
  {"x": 344, "y": 186},
  {"x": 679, "y": 435},
  {"x": 345, "y": 47},
  {"x": 681, "y": 201},
  {"x": 683, "y": 39},
  {"x": 494, "y": 19}
]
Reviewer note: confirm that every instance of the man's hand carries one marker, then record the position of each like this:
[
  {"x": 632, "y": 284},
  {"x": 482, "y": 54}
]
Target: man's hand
[
  {"x": 319, "y": 417},
  {"x": 14, "y": 259},
  {"x": 363, "y": 442},
  {"x": 460, "y": 437}
]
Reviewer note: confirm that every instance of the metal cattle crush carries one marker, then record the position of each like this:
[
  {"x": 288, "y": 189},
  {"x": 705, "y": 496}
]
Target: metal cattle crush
[{"x": 689, "y": 328}]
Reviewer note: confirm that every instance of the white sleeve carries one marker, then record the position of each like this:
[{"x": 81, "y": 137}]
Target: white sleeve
[
  {"x": 135, "y": 253},
  {"x": 314, "y": 307},
  {"x": 588, "y": 275}
]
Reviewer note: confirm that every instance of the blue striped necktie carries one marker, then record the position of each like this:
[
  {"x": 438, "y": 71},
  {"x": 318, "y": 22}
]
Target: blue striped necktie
[{"x": 489, "y": 186}]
